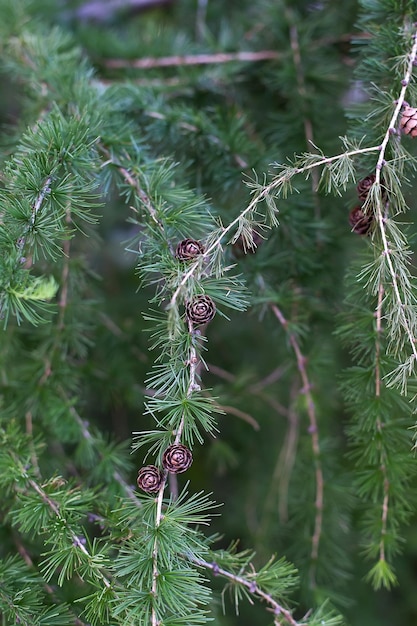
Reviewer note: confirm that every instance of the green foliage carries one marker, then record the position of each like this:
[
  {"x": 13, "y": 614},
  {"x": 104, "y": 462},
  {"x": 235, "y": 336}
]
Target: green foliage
[{"x": 230, "y": 133}]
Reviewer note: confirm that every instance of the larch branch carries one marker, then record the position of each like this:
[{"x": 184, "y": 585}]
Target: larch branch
[
  {"x": 314, "y": 432},
  {"x": 283, "y": 617},
  {"x": 192, "y": 59},
  {"x": 379, "y": 209},
  {"x": 266, "y": 191}
]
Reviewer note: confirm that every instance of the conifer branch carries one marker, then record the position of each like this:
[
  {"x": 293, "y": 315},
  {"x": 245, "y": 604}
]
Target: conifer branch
[
  {"x": 155, "y": 570},
  {"x": 243, "y": 415},
  {"x": 273, "y": 377},
  {"x": 29, "y": 432},
  {"x": 62, "y": 302},
  {"x": 262, "y": 194},
  {"x": 379, "y": 425},
  {"x": 145, "y": 63},
  {"x": 157, "y": 554},
  {"x": 63, "y": 299},
  {"x": 256, "y": 388},
  {"x": 192, "y": 387},
  {"x": 285, "y": 461},
  {"x": 40, "y": 199},
  {"x": 314, "y": 432},
  {"x": 379, "y": 211},
  {"x": 89, "y": 437},
  {"x": 96, "y": 11},
  {"x": 36, "y": 207},
  {"x": 134, "y": 183},
  {"x": 192, "y": 59},
  {"x": 77, "y": 541},
  {"x": 282, "y": 617},
  {"x": 49, "y": 590},
  {"x": 240, "y": 161},
  {"x": 301, "y": 88}
]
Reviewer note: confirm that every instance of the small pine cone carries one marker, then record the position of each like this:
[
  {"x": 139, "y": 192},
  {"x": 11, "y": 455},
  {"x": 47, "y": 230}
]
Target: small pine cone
[
  {"x": 149, "y": 479},
  {"x": 364, "y": 186},
  {"x": 361, "y": 222},
  {"x": 188, "y": 249},
  {"x": 177, "y": 458},
  {"x": 200, "y": 310},
  {"x": 240, "y": 247},
  {"x": 408, "y": 122}
]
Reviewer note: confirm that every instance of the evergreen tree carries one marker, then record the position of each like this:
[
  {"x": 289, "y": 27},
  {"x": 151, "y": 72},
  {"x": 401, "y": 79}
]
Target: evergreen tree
[{"x": 207, "y": 287}]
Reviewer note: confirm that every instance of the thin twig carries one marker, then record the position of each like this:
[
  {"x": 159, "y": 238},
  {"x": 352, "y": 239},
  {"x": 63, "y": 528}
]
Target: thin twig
[
  {"x": 40, "y": 199},
  {"x": 66, "y": 248},
  {"x": 63, "y": 301},
  {"x": 220, "y": 57},
  {"x": 302, "y": 92},
  {"x": 285, "y": 463},
  {"x": 314, "y": 432},
  {"x": 378, "y": 314},
  {"x": 155, "y": 571},
  {"x": 271, "y": 378},
  {"x": 36, "y": 207},
  {"x": 255, "y": 389},
  {"x": 99, "y": 11},
  {"x": 29, "y": 432},
  {"x": 221, "y": 373},
  {"x": 134, "y": 183},
  {"x": 232, "y": 410},
  {"x": 379, "y": 425},
  {"x": 192, "y": 59},
  {"x": 279, "y": 611},
  {"x": 379, "y": 209}
]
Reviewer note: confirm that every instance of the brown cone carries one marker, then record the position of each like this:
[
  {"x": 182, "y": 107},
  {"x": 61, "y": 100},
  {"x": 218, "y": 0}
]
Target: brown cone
[
  {"x": 240, "y": 246},
  {"x": 149, "y": 479},
  {"x": 188, "y": 249},
  {"x": 408, "y": 122},
  {"x": 200, "y": 310},
  {"x": 364, "y": 187},
  {"x": 360, "y": 222},
  {"x": 177, "y": 458}
]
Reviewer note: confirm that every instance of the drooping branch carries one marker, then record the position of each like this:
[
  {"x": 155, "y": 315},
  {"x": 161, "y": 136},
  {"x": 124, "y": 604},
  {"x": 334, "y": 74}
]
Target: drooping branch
[
  {"x": 379, "y": 425},
  {"x": 274, "y": 187},
  {"x": 281, "y": 476},
  {"x": 380, "y": 213},
  {"x": 193, "y": 363},
  {"x": 314, "y": 432},
  {"x": 282, "y": 617}
]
